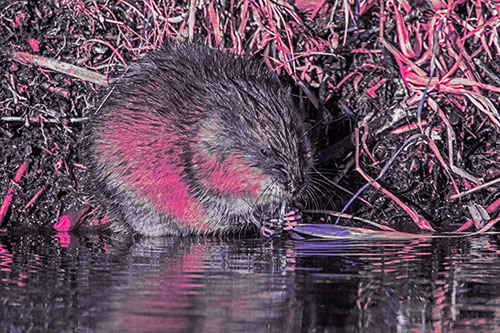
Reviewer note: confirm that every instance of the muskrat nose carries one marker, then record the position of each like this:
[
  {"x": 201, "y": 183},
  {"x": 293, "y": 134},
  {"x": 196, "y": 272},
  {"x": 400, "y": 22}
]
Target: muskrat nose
[
  {"x": 279, "y": 173},
  {"x": 290, "y": 184}
]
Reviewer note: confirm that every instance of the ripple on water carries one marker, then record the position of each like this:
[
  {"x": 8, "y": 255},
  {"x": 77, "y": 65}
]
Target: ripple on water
[{"x": 213, "y": 285}]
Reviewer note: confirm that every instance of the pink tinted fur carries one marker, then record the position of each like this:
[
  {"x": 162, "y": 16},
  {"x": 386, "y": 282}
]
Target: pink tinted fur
[
  {"x": 155, "y": 178},
  {"x": 234, "y": 177}
]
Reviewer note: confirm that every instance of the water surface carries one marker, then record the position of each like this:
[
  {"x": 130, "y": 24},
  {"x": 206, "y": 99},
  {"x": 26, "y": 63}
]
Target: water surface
[{"x": 235, "y": 285}]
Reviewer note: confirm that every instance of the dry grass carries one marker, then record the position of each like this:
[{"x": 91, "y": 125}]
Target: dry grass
[{"x": 393, "y": 69}]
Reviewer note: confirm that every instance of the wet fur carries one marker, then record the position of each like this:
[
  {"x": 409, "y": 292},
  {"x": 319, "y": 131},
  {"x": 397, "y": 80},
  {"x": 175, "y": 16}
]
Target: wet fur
[{"x": 176, "y": 147}]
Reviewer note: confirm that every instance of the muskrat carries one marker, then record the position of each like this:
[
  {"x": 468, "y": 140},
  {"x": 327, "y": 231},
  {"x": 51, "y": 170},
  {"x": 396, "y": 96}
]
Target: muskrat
[{"x": 192, "y": 140}]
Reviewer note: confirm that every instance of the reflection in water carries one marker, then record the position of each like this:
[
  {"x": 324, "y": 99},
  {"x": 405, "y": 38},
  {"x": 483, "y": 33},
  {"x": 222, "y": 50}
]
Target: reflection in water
[{"x": 213, "y": 285}]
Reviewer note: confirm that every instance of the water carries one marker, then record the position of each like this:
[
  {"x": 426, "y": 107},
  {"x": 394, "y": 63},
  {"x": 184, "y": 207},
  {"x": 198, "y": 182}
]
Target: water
[{"x": 212, "y": 285}]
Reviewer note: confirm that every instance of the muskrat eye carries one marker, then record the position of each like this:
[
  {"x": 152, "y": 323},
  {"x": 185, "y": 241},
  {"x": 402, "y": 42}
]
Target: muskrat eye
[{"x": 263, "y": 152}]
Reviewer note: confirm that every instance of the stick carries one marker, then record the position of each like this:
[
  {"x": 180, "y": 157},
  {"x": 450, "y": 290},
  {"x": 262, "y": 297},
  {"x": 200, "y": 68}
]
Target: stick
[
  {"x": 59, "y": 66},
  {"x": 10, "y": 192}
]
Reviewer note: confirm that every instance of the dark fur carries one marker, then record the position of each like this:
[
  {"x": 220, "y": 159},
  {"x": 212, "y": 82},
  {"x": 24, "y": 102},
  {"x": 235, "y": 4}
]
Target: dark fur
[{"x": 241, "y": 105}]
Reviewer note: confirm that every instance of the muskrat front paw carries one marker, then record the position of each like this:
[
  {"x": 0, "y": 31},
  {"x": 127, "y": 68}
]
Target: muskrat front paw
[
  {"x": 271, "y": 227},
  {"x": 275, "y": 226},
  {"x": 267, "y": 232},
  {"x": 292, "y": 218}
]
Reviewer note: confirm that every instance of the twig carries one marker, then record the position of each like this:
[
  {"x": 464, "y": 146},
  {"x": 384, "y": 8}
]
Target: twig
[
  {"x": 59, "y": 66},
  {"x": 472, "y": 190},
  {"x": 419, "y": 220},
  {"x": 490, "y": 209},
  {"x": 191, "y": 19},
  {"x": 37, "y": 119},
  {"x": 36, "y": 196},
  {"x": 348, "y": 216},
  {"x": 433, "y": 69},
  {"x": 10, "y": 192}
]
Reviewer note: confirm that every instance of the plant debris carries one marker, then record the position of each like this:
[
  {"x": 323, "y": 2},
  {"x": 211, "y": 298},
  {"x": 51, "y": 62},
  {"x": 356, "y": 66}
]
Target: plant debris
[{"x": 369, "y": 74}]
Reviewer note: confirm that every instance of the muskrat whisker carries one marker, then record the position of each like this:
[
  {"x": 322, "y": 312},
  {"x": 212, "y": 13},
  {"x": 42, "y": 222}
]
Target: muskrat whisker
[
  {"x": 307, "y": 199},
  {"x": 309, "y": 130},
  {"x": 262, "y": 195},
  {"x": 314, "y": 198},
  {"x": 315, "y": 187},
  {"x": 330, "y": 182},
  {"x": 324, "y": 172},
  {"x": 322, "y": 184}
]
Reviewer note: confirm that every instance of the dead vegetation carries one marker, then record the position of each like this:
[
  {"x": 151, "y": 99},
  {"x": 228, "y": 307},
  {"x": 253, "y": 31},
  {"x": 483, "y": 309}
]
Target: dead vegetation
[{"x": 374, "y": 77}]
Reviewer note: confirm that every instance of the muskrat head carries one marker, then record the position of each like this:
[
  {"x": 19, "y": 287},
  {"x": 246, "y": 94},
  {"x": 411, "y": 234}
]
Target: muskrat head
[
  {"x": 279, "y": 147},
  {"x": 256, "y": 148}
]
